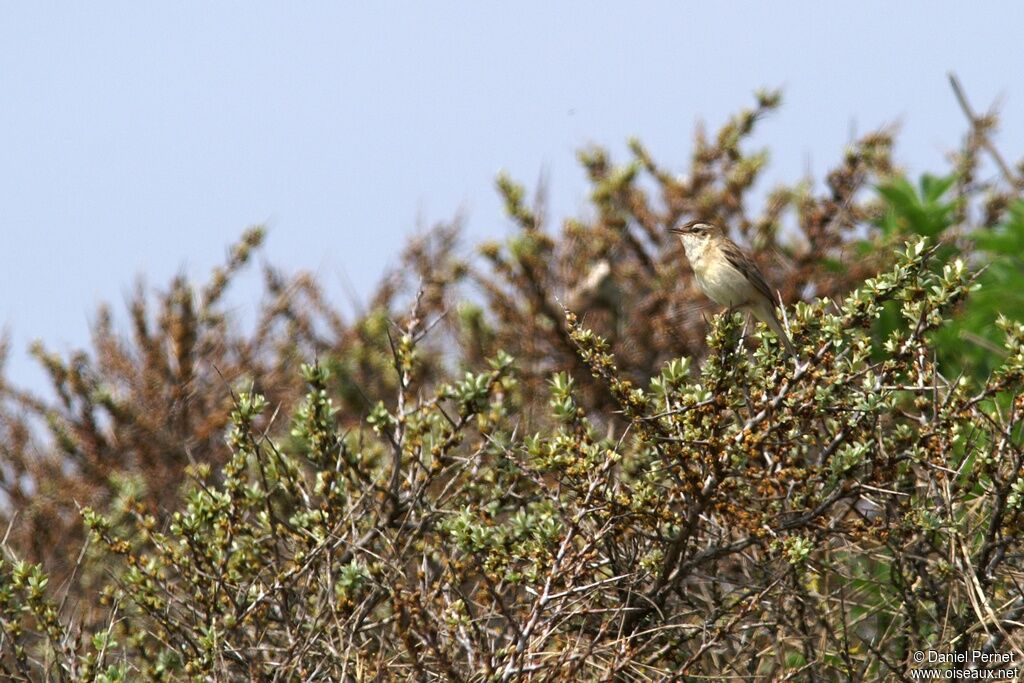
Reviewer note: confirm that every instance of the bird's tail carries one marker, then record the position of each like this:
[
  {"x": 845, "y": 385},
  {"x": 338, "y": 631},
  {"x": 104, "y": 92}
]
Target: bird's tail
[{"x": 767, "y": 315}]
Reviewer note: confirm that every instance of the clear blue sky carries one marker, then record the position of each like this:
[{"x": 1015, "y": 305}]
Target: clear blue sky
[{"x": 142, "y": 138}]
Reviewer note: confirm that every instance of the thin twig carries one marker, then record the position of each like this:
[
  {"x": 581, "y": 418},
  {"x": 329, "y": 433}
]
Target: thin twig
[{"x": 979, "y": 129}]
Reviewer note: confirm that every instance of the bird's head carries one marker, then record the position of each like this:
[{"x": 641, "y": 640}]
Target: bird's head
[{"x": 696, "y": 232}]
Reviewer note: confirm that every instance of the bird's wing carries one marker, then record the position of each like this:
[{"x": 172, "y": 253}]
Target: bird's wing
[{"x": 742, "y": 263}]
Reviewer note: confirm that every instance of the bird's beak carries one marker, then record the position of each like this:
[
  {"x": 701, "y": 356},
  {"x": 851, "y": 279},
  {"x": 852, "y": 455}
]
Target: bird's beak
[{"x": 677, "y": 231}]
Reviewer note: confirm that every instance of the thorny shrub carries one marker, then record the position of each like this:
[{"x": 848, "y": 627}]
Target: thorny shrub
[{"x": 625, "y": 500}]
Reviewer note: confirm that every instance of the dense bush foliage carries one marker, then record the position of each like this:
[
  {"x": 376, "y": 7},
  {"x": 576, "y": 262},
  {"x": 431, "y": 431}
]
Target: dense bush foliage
[{"x": 551, "y": 460}]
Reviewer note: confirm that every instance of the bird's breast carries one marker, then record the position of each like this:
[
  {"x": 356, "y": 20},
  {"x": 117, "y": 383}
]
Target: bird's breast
[{"x": 722, "y": 282}]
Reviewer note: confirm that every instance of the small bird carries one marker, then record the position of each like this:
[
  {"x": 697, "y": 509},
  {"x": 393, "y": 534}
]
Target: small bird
[{"x": 728, "y": 277}]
